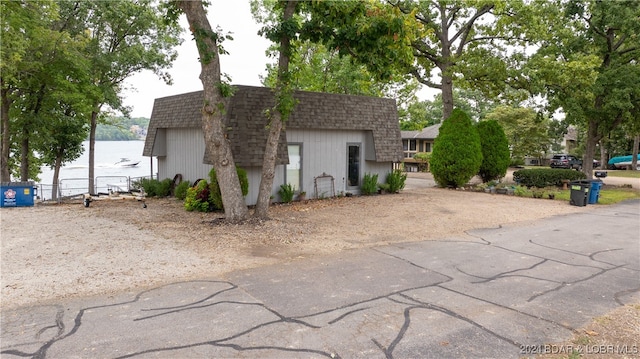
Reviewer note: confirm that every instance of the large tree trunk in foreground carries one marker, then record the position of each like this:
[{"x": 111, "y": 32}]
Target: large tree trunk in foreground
[
  {"x": 218, "y": 146},
  {"x": 283, "y": 91}
]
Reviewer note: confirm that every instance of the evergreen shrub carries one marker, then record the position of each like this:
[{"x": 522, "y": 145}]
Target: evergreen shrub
[
  {"x": 153, "y": 187},
  {"x": 457, "y": 154},
  {"x": 369, "y": 184},
  {"x": 181, "y": 190},
  {"x": 495, "y": 151},
  {"x": 286, "y": 193},
  {"x": 395, "y": 181}
]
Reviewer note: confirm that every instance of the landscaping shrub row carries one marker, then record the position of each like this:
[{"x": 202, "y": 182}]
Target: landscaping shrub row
[{"x": 544, "y": 177}]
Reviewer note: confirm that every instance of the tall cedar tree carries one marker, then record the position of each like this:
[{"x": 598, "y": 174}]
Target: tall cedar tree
[
  {"x": 457, "y": 154},
  {"x": 495, "y": 150}
]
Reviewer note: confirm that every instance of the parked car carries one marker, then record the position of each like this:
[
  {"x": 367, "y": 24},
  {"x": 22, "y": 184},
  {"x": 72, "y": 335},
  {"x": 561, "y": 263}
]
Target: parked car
[
  {"x": 622, "y": 162},
  {"x": 566, "y": 161}
]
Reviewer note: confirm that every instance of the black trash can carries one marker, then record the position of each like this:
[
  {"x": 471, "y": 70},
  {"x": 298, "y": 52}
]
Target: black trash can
[{"x": 579, "y": 193}]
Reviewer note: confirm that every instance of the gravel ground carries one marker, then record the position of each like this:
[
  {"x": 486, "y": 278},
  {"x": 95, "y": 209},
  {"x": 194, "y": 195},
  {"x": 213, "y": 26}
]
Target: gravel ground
[{"x": 56, "y": 251}]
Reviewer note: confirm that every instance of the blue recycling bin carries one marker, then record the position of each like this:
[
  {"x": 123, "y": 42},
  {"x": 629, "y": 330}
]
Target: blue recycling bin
[
  {"x": 16, "y": 194},
  {"x": 594, "y": 194}
]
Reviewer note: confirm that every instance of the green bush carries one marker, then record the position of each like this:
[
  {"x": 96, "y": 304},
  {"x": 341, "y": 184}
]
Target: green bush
[
  {"x": 522, "y": 191},
  {"x": 423, "y": 159},
  {"x": 286, "y": 193},
  {"x": 457, "y": 154},
  {"x": 395, "y": 181},
  {"x": 515, "y": 162},
  {"x": 164, "y": 188},
  {"x": 153, "y": 187},
  {"x": 215, "y": 197},
  {"x": 181, "y": 190},
  {"x": 495, "y": 150},
  {"x": 369, "y": 184},
  {"x": 197, "y": 197},
  {"x": 147, "y": 184},
  {"x": 544, "y": 177}
]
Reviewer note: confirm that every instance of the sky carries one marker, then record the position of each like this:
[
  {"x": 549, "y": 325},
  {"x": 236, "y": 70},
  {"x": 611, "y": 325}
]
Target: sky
[{"x": 245, "y": 63}]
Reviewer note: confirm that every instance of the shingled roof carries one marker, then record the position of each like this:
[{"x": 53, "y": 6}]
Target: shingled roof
[
  {"x": 246, "y": 118},
  {"x": 427, "y": 133}
]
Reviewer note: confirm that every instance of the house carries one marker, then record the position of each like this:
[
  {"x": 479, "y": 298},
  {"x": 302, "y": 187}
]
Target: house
[
  {"x": 330, "y": 140},
  {"x": 417, "y": 141}
]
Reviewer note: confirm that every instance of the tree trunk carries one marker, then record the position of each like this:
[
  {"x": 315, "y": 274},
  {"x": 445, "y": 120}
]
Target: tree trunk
[
  {"x": 5, "y": 145},
  {"x": 447, "y": 96},
  {"x": 590, "y": 148},
  {"x": 283, "y": 89},
  {"x": 268, "y": 168},
  {"x": 216, "y": 142},
  {"x": 603, "y": 155},
  {"x": 634, "y": 158},
  {"x": 24, "y": 155},
  {"x": 56, "y": 176},
  {"x": 92, "y": 147}
]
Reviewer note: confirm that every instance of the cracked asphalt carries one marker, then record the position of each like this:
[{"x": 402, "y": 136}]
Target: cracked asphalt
[{"x": 494, "y": 293}]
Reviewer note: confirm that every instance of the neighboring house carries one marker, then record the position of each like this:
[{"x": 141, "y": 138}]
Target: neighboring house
[
  {"x": 327, "y": 136},
  {"x": 417, "y": 141}
]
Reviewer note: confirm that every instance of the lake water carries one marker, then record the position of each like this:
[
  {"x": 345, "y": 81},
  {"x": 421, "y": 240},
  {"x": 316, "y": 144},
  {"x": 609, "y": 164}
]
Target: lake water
[{"x": 106, "y": 171}]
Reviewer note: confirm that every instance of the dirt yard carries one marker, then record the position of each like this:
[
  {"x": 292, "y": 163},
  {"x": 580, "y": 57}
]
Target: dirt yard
[
  {"x": 50, "y": 252},
  {"x": 58, "y": 251}
]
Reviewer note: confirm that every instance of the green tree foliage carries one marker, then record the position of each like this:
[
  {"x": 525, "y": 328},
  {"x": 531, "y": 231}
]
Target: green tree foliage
[
  {"x": 316, "y": 68},
  {"x": 526, "y": 131},
  {"x": 44, "y": 88},
  {"x": 125, "y": 37},
  {"x": 457, "y": 154},
  {"x": 589, "y": 67},
  {"x": 464, "y": 42},
  {"x": 426, "y": 113},
  {"x": 495, "y": 151},
  {"x": 122, "y": 129},
  {"x": 61, "y": 62},
  {"x": 372, "y": 33}
]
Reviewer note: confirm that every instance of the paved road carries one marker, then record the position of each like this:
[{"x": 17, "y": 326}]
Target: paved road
[{"x": 492, "y": 293}]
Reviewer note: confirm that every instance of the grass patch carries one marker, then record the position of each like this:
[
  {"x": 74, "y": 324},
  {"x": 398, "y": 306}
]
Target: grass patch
[
  {"x": 607, "y": 196},
  {"x": 615, "y": 195},
  {"x": 622, "y": 173}
]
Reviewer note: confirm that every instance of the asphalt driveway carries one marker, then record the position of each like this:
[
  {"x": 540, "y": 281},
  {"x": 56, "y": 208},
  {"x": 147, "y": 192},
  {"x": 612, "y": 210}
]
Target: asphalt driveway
[{"x": 497, "y": 293}]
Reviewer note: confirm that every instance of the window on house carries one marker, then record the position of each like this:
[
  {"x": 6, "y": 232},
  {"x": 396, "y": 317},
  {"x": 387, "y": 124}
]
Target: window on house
[{"x": 293, "y": 175}]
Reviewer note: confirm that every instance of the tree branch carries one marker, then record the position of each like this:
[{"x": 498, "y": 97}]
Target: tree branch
[
  {"x": 463, "y": 33},
  {"x": 424, "y": 81}
]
